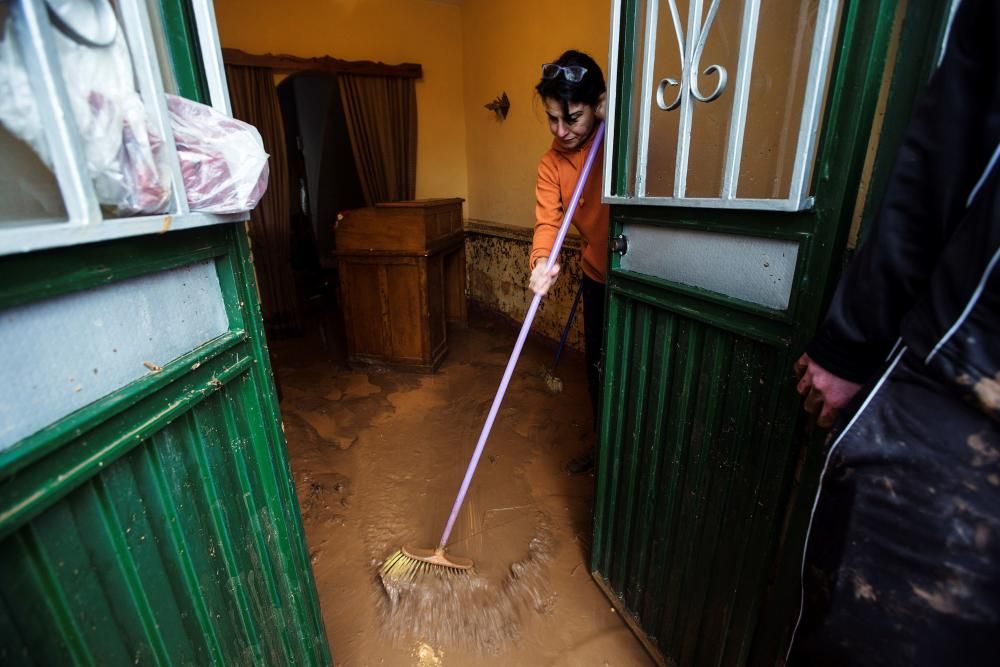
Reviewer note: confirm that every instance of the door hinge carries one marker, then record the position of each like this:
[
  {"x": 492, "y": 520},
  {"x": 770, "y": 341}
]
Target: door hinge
[{"x": 619, "y": 244}]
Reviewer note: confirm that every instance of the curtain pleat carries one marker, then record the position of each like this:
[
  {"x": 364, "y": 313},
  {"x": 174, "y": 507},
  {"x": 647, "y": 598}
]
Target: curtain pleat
[
  {"x": 254, "y": 99},
  {"x": 382, "y": 124}
]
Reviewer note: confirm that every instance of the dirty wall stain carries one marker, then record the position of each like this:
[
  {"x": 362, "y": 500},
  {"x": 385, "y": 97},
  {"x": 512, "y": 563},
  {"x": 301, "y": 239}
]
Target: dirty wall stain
[{"x": 497, "y": 264}]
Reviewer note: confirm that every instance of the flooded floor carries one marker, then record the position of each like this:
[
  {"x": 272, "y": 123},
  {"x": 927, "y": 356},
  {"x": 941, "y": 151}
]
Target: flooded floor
[{"x": 378, "y": 456}]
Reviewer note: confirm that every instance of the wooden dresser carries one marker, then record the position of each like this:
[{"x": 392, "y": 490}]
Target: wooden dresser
[{"x": 402, "y": 279}]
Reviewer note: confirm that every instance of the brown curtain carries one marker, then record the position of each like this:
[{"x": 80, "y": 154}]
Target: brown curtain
[
  {"x": 254, "y": 99},
  {"x": 382, "y": 124}
]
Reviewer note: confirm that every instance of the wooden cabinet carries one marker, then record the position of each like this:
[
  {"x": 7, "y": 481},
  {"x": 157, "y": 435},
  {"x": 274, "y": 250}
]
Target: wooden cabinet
[{"x": 402, "y": 279}]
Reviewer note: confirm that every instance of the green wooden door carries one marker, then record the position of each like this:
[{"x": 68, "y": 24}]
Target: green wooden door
[
  {"x": 147, "y": 510},
  {"x": 723, "y": 278}
]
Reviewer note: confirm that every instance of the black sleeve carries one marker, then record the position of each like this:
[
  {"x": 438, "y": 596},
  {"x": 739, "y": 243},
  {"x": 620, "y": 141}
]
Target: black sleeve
[{"x": 943, "y": 153}]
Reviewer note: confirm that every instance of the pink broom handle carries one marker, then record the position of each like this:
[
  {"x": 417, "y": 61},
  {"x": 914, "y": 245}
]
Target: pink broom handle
[{"x": 528, "y": 319}]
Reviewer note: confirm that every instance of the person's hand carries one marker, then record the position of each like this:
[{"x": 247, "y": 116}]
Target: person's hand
[
  {"x": 600, "y": 109},
  {"x": 825, "y": 393},
  {"x": 541, "y": 280}
]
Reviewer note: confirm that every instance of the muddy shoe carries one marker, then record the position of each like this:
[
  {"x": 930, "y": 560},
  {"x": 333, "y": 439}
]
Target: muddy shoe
[{"x": 581, "y": 465}]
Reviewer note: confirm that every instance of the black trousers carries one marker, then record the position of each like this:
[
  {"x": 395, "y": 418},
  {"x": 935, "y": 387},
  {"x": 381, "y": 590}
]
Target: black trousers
[
  {"x": 902, "y": 564},
  {"x": 593, "y": 339}
]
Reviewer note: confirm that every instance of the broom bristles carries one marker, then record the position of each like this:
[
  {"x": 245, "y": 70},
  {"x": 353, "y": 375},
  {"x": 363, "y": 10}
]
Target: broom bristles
[
  {"x": 399, "y": 568},
  {"x": 427, "y": 601}
]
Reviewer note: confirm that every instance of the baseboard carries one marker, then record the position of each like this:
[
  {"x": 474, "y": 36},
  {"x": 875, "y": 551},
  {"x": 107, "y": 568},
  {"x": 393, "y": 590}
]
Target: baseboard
[{"x": 482, "y": 311}]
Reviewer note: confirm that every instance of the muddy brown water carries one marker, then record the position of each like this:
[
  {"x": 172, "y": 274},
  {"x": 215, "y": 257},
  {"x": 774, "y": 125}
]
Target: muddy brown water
[{"x": 378, "y": 456}]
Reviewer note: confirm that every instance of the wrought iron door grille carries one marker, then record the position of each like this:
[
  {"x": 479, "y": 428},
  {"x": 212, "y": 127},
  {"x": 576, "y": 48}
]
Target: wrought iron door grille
[{"x": 723, "y": 103}]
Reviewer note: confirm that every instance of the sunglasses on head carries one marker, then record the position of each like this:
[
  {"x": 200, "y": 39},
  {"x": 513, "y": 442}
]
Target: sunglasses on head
[{"x": 572, "y": 73}]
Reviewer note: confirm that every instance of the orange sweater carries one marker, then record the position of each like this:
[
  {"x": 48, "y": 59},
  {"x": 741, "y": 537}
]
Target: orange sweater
[{"x": 557, "y": 175}]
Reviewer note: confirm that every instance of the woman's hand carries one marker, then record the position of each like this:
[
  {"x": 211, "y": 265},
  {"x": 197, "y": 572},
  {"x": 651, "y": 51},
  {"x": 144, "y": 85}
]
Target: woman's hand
[
  {"x": 825, "y": 393},
  {"x": 541, "y": 280}
]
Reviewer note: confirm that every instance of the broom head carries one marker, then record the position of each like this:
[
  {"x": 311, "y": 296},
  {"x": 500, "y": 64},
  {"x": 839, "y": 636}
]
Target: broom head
[{"x": 410, "y": 561}]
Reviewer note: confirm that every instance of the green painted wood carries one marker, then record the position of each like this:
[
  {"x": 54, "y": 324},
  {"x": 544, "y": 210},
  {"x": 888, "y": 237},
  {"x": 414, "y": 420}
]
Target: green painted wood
[
  {"x": 705, "y": 504},
  {"x": 282, "y": 503},
  {"x": 182, "y": 41},
  {"x": 57, "y": 434},
  {"x": 53, "y": 632},
  {"x": 923, "y": 25},
  {"x": 690, "y": 493},
  {"x": 33, "y": 488},
  {"x": 103, "y": 542},
  {"x": 731, "y": 510},
  {"x": 175, "y": 451},
  {"x": 166, "y": 521},
  {"x": 737, "y": 483},
  {"x": 15, "y": 652},
  {"x": 270, "y": 589},
  {"x": 712, "y": 502},
  {"x": 711, "y": 309},
  {"x": 41, "y": 275},
  {"x": 638, "y": 573},
  {"x": 622, "y": 153},
  {"x": 677, "y": 406},
  {"x": 611, "y": 440},
  {"x": 105, "y": 555},
  {"x": 634, "y": 418},
  {"x": 160, "y": 522},
  {"x": 227, "y": 536},
  {"x": 700, "y": 445}
]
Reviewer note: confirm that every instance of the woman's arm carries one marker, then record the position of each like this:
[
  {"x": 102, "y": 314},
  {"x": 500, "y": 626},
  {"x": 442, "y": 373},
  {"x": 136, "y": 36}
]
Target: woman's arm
[{"x": 548, "y": 218}]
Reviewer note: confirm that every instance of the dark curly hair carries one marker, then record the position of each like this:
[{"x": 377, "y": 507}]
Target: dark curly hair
[{"x": 586, "y": 91}]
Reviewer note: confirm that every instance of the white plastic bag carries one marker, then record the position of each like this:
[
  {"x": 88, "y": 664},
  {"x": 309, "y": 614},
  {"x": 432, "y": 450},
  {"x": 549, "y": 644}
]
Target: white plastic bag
[
  {"x": 222, "y": 159},
  {"x": 122, "y": 154}
]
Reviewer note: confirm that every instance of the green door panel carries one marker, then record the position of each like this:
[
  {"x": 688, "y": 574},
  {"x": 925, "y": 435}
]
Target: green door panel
[
  {"x": 177, "y": 19},
  {"x": 691, "y": 475},
  {"x": 151, "y": 559},
  {"x": 704, "y": 470},
  {"x": 159, "y": 523}
]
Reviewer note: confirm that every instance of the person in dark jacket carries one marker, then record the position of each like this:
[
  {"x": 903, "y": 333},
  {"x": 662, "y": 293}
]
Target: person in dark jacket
[{"x": 902, "y": 557}]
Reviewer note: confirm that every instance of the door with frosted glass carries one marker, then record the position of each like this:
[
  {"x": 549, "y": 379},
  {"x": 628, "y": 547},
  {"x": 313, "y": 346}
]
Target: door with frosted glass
[
  {"x": 738, "y": 135},
  {"x": 147, "y": 511}
]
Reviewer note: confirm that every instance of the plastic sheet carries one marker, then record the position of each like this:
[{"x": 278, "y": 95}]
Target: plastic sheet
[{"x": 223, "y": 161}]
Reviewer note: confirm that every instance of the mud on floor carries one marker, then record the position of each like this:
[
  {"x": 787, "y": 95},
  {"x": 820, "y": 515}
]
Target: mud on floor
[{"x": 377, "y": 457}]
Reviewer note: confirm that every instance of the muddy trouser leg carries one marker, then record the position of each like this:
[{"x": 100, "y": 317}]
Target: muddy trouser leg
[
  {"x": 902, "y": 565},
  {"x": 593, "y": 337}
]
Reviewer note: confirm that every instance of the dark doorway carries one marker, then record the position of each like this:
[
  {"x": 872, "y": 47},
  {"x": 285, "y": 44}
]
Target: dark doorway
[{"x": 323, "y": 180}]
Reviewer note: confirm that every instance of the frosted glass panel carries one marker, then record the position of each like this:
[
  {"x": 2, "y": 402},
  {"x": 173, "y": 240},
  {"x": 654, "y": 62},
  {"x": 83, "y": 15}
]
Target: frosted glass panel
[
  {"x": 709, "y": 121},
  {"x": 725, "y": 101},
  {"x": 749, "y": 268},
  {"x": 787, "y": 30},
  {"x": 64, "y": 353},
  {"x": 661, "y": 158}
]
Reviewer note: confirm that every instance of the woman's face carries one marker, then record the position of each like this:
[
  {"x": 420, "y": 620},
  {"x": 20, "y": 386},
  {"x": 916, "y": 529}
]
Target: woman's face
[{"x": 570, "y": 131}]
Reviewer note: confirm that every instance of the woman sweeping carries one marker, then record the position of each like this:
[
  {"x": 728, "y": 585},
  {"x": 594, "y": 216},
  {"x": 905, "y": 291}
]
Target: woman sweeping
[
  {"x": 574, "y": 113},
  {"x": 573, "y": 92}
]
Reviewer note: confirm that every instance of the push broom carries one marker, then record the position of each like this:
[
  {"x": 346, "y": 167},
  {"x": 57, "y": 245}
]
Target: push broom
[{"x": 411, "y": 562}]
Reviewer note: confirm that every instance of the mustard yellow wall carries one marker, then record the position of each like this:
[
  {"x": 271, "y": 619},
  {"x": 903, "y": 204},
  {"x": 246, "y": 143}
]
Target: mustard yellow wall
[
  {"x": 504, "y": 44},
  {"x": 428, "y": 32},
  {"x": 471, "y": 51}
]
